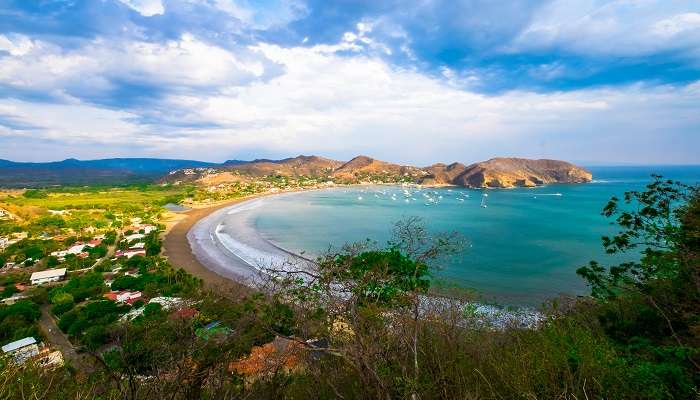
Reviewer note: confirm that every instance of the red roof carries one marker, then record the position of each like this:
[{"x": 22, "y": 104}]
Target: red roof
[{"x": 111, "y": 296}]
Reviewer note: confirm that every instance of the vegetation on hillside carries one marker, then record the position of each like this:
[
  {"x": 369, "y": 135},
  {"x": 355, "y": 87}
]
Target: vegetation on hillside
[{"x": 361, "y": 324}]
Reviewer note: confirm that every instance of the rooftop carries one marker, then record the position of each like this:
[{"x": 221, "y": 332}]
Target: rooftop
[
  {"x": 49, "y": 273},
  {"x": 18, "y": 344}
]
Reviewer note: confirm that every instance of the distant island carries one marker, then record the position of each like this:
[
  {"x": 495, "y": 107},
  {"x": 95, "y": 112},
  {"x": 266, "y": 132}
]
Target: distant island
[{"x": 494, "y": 173}]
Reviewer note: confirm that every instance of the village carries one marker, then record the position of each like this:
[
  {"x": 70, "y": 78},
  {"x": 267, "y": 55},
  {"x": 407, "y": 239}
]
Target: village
[{"x": 70, "y": 277}]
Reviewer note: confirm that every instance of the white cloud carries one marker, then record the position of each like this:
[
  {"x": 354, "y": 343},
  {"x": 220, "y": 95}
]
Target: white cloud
[
  {"x": 613, "y": 28},
  {"x": 337, "y": 105},
  {"x": 16, "y": 45},
  {"x": 90, "y": 70},
  {"x": 677, "y": 24},
  {"x": 147, "y": 8}
]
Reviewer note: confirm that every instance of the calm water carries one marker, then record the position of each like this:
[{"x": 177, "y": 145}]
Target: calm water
[{"x": 523, "y": 247}]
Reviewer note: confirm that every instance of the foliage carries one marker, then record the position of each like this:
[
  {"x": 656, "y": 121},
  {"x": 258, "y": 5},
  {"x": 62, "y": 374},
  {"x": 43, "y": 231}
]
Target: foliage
[
  {"x": 651, "y": 308},
  {"x": 17, "y": 321},
  {"x": 651, "y": 221},
  {"x": 97, "y": 313},
  {"x": 62, "y": 302},
  {"x": 82, "y": 287}
]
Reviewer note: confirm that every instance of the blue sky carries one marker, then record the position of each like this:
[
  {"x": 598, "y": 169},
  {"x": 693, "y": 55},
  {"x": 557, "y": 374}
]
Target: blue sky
[{"x": 597, "y": 82}]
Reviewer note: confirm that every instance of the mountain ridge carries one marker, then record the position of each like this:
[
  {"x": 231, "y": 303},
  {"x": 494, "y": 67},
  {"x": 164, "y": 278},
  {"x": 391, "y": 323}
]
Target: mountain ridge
[{"x": 496, "y": 172}]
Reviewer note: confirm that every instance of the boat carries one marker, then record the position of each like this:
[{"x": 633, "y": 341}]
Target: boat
[{"x": 483, "y": 200}]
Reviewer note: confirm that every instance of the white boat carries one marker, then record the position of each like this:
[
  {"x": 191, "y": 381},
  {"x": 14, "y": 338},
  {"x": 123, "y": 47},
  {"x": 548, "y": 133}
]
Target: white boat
[{"x": 483, "y": 200}]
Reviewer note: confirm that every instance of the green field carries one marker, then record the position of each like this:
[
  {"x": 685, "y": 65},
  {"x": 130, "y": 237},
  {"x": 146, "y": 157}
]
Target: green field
[{"x": 98, "y": 198}]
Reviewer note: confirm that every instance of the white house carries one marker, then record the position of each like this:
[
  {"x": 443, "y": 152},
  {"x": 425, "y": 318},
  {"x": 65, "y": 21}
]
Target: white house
[
  {"x": 130, "y": 253},
  {"x": 77, "y": 248},
  {"x": 21, "y": 350},
  {"x": 50, "y": 275},
  {"x": 128, "y": 296},
  {"x": 135, "y": 236}
]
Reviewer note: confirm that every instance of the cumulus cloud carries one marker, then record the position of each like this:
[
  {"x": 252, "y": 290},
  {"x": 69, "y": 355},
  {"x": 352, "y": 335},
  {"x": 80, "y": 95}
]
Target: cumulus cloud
[
  {"x": 218, "y": 79},
  {"x": 613, "y": 28},
  {"x": 100, "y": 68},
  {"x": 327, "y": 102}
]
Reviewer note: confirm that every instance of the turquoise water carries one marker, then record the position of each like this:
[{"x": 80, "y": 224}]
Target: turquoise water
[{"x": 524, "y": 247}]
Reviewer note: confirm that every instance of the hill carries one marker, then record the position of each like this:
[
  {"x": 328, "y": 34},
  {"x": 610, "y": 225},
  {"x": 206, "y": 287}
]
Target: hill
[
  {"x": 494, "y": 173},
  {"x": 112, "y": 171},
  {"x": 507, "y": 172}
]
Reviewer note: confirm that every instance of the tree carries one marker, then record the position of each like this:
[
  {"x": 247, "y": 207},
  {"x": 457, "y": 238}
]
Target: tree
[
  {"x": 35, "y": 252},
  {"x": 650, "y": 220},
  {"x": 353, "y": 295},
  {"x": 9, "y": 291},
  {"x": 651, "y": 306},
  {"x": 62, "y": 302}
]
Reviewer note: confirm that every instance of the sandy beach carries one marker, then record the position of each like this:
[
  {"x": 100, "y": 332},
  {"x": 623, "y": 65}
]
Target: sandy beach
[
  {"x": 177, "y": 249},
  {"x": 220, "y": 245}
]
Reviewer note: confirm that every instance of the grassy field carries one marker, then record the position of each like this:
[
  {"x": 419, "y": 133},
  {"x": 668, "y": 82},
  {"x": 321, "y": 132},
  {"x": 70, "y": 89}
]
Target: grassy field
[{"x": 98, "y": 198}]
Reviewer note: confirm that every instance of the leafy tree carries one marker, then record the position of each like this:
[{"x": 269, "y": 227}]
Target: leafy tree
[
  {"x": 25, "y": 309},
  {"x": 110, "y": 238},
  {"x": 366, "y": 289},
  {"x": 35, "y": 194},
  {"x": 650, "y": 221},
  {"x": 94, "y": 337},
  {"x": 97, "y": 251},
  {"x": 62, "y": 302},
  {"x": 34, "y": 252},
  {"x": 9, "y": 291},
  {"x": 126, "y": 282},
  {"x": 650, "y": 306},
  {"x": 153, "y": 244}
]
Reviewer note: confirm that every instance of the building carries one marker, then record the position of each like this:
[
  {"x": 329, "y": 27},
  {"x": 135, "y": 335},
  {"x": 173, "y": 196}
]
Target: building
[
  {"x": 123, "y": 296},
  {"x": 13, "y": 299},
  {"x": 76, "y": 249},
  {"x": 128, "y": 297},
  {"x": 130, "y": 253},
  {"x": 135, "y": 236},
  {"x": 21, "y": 350},
  {"x": 50, "y": 275}
]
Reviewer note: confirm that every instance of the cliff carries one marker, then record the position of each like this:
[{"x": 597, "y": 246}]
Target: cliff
[{"x": 508, "y": 172}]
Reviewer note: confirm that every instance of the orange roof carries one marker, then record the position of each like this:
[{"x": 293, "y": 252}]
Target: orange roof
[{"x": 111, "y": 296}]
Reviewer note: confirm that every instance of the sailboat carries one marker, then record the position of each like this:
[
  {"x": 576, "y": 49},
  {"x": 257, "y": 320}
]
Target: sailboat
[{"x": 483, "y": 200}]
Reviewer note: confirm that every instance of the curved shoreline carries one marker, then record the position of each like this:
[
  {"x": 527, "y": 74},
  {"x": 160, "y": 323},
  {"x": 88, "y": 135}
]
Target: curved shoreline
[
  {"x": 195, "y": 244},
  {"x": 176, "y": 248}
]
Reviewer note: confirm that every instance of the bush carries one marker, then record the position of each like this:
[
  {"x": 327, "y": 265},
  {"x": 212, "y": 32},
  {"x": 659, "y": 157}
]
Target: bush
[{"x": 62, "y": 302}]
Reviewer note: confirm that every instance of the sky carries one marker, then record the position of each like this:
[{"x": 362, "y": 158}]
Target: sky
[{"x": 414, "y": 82}]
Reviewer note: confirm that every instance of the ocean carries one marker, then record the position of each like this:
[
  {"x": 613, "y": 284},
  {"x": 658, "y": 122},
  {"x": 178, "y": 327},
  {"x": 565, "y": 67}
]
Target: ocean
[{"x": 522, "y": 248}]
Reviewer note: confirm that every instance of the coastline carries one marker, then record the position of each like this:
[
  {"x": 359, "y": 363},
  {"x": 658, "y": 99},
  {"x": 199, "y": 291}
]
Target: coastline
[
  {"x": 191, "y": 243},
  {"x": 177, "y": 249}
]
